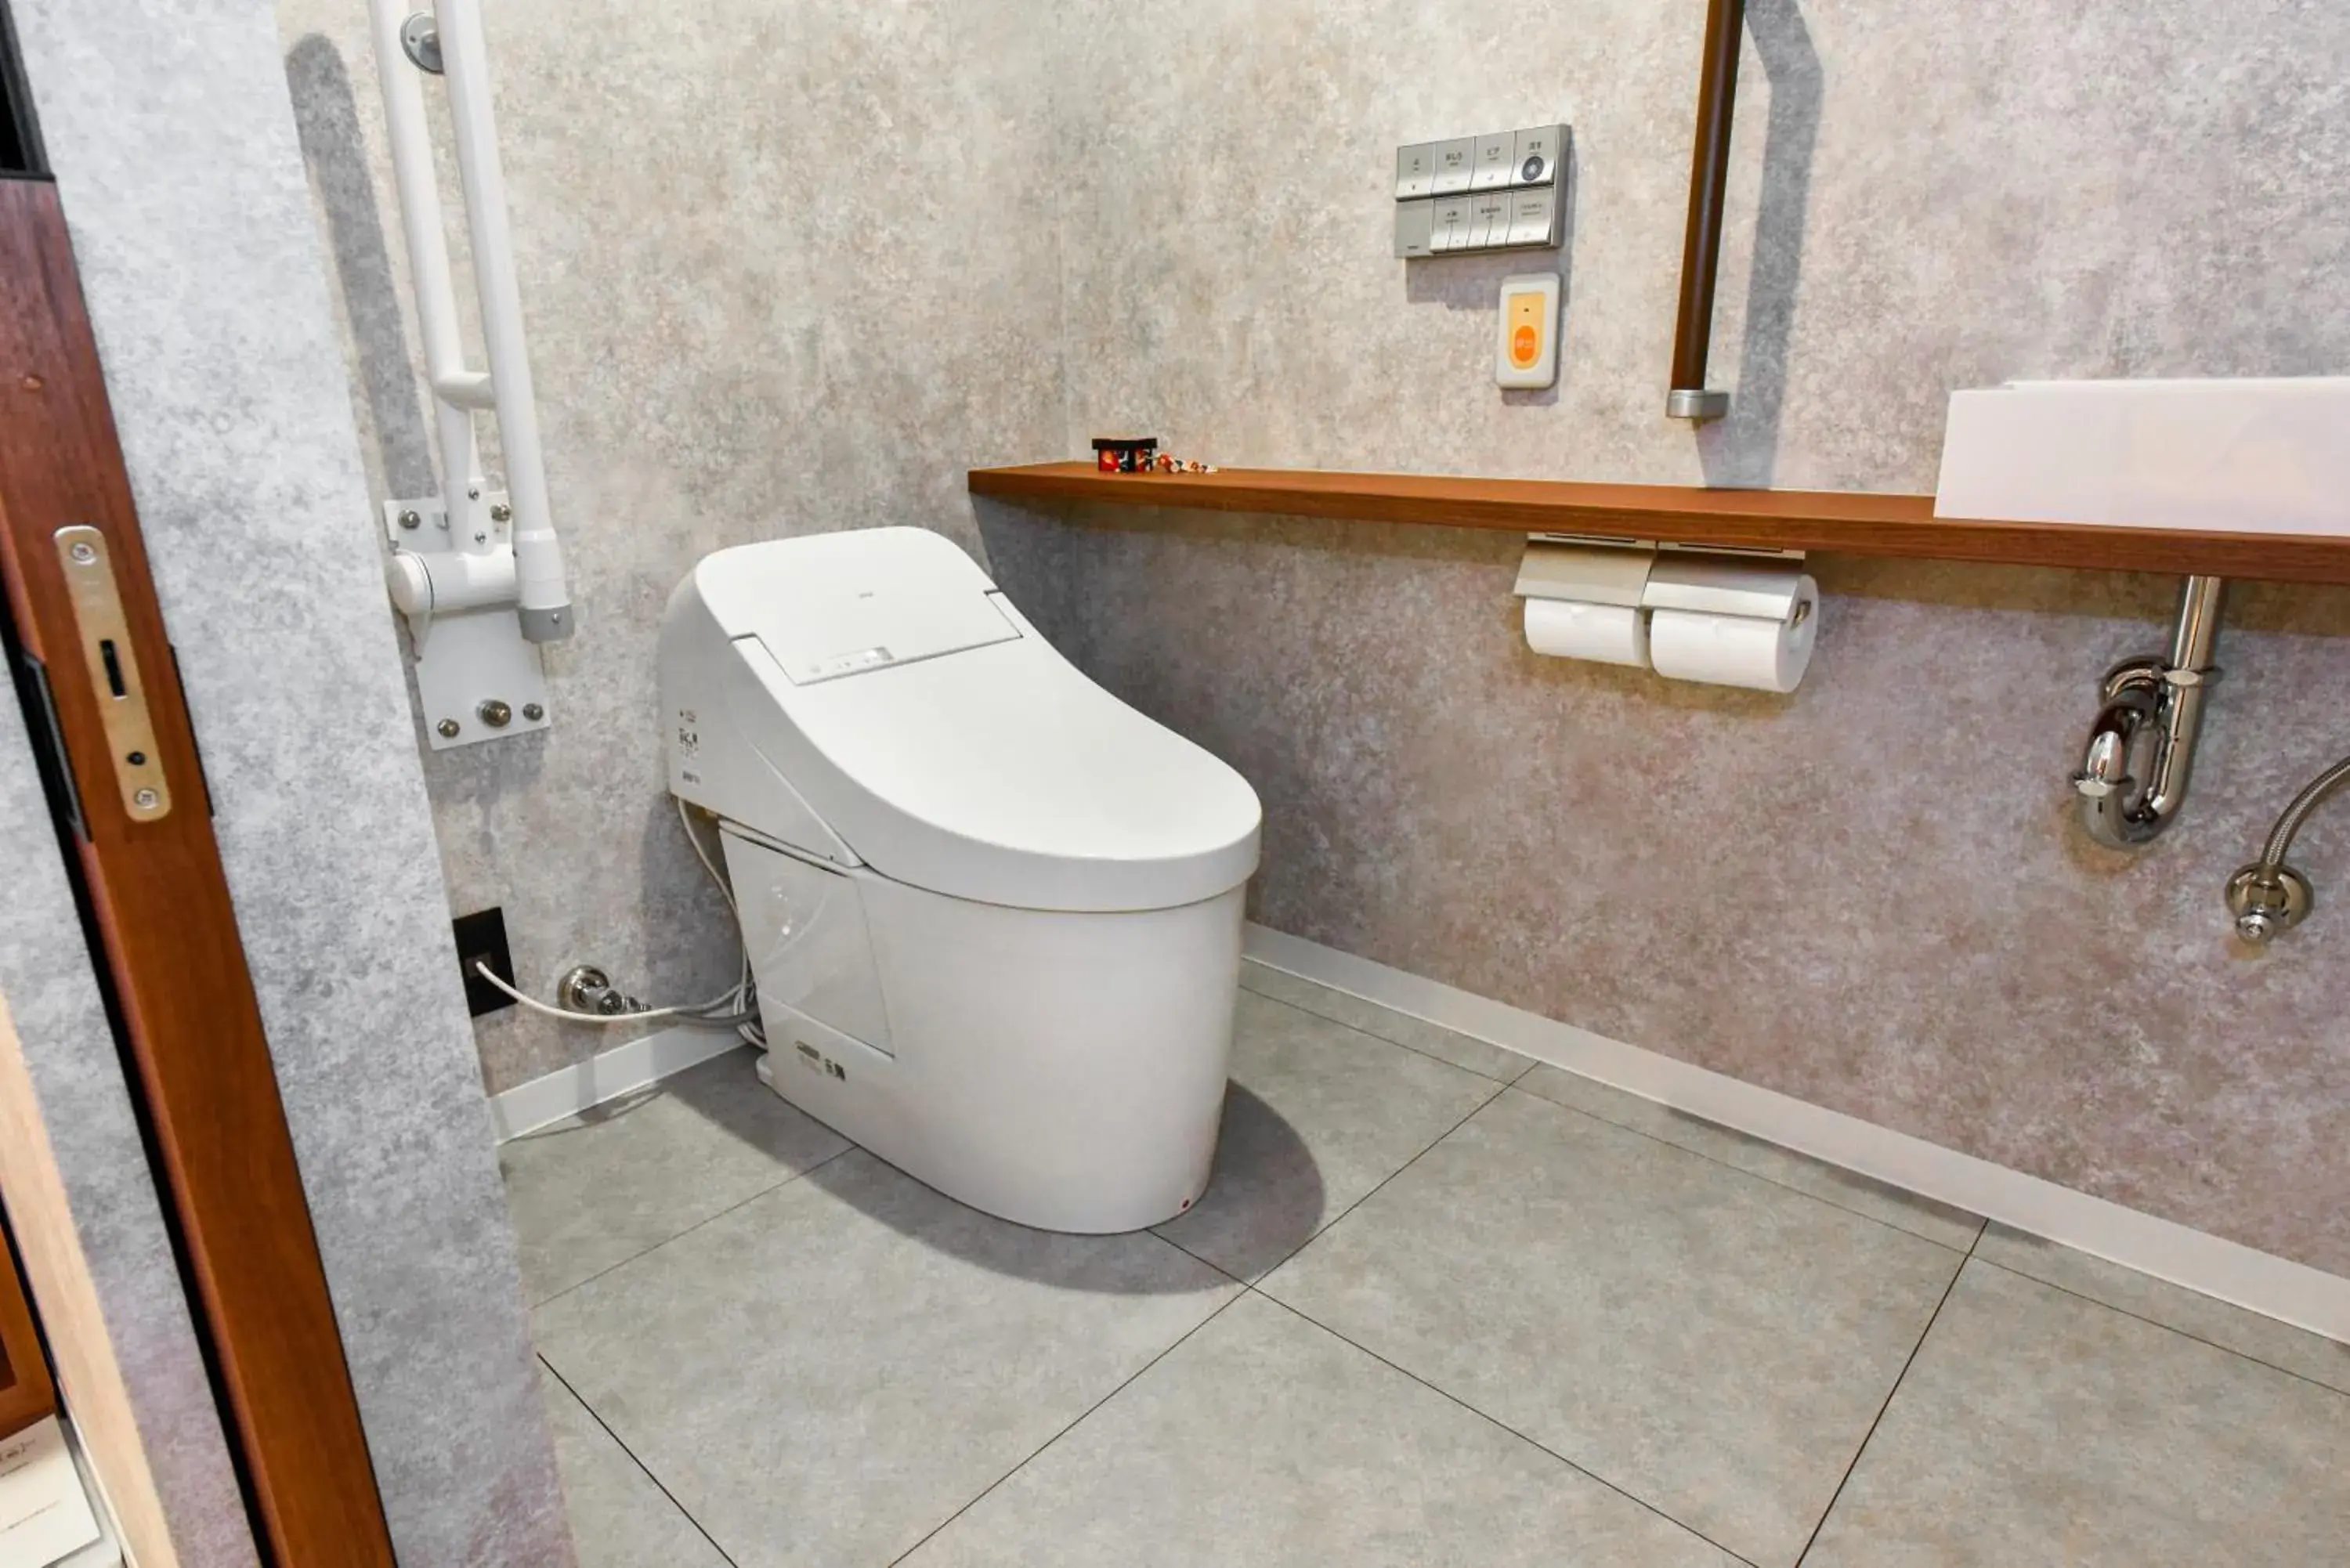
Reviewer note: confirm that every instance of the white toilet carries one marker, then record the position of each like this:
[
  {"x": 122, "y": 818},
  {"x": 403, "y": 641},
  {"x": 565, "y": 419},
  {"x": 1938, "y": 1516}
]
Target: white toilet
[{"x": 993, "y": 912}]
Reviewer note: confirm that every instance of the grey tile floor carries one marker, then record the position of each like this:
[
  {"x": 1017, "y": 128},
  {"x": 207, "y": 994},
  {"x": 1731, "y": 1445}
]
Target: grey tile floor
[{"x": 1438, "y": 1307}]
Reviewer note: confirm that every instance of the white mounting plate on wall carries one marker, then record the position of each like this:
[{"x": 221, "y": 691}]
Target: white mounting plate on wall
[{"x": 469, "y": 659}]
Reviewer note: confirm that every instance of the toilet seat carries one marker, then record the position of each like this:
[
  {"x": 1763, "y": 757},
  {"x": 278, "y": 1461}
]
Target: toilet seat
[{"x": 922, "y": 725}]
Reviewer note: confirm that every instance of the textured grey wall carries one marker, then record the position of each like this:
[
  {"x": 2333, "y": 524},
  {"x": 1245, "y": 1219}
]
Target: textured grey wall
[
  {"x": 169, "y": 124},
  {"x": 785, "y": 269},
  {"x": 84, "y": 1103},
  {"x": 1106, "y": 213},
  {"x": 1869, "y": 895},
  {"x": 1954, "y": 196}
]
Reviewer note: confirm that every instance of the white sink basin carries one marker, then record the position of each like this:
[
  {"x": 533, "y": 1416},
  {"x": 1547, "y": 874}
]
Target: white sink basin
[{"x": 2242, "y": 456}]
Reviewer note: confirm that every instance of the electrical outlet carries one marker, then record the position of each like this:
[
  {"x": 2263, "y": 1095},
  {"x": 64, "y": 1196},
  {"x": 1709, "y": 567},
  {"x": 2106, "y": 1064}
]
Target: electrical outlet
[{"x": 481, "y": 938}]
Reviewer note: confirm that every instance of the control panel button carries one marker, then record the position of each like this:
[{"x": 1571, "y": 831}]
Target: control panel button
[
  {"x": 1526, "y": 352},
  {"x": 1494, "y": 162},
  {"x": 1489, "y": 220},
  {"x": 1536, "y": 155},
  {"x": 1415, "y": 231},
  {"x": 1455, "y": 165},
  {"x": 1415, "y": 170},
  {"x": 1533, "y": 217},
  {"x": 1449, "y": 225}
]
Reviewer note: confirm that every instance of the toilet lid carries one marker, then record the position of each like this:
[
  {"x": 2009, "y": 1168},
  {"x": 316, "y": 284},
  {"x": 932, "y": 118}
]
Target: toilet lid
[{"x": 952, "y": 748}]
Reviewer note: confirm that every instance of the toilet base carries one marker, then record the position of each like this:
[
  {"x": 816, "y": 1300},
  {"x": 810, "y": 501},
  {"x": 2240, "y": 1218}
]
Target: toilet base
[{"x": 1060, "y": 1070}]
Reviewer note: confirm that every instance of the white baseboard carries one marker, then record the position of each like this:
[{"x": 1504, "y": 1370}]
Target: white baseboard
[
  {"x": 608, "y": 1075},
  {"x": 2258, "y": 1282}
]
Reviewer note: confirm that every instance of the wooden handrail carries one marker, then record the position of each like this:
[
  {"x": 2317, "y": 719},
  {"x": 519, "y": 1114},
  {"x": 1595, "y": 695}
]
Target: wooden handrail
[{"x": 1717, "y": 101}]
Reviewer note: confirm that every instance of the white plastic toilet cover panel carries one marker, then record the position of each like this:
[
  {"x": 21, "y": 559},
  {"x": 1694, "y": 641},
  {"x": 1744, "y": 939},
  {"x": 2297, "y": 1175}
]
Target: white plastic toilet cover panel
[
  {"x": 837, "y": 605},
  {"x": 1002, "y": 774},
  {"x": 998, "y": 772}
]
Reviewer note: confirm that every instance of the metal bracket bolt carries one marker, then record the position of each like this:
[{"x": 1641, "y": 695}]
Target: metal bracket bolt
[{"x": 420, "y": 39}]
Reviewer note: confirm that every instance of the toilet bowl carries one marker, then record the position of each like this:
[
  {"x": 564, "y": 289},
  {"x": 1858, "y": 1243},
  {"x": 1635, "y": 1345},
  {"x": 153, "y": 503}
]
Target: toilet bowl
[{"x": 995, "y": 914}]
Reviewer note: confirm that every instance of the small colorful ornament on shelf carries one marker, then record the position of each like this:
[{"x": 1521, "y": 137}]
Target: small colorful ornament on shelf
[
  {"x": 1124, "y": 454},
  {"x": 1140, "y": 455}
]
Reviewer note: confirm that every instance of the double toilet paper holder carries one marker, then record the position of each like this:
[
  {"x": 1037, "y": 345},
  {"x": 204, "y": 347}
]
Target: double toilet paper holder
[{"x": 1736, "y": 617}]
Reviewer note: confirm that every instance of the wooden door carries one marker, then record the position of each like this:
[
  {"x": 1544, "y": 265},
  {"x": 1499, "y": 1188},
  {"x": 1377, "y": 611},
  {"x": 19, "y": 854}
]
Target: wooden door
[{"x": 106, "y": 685}]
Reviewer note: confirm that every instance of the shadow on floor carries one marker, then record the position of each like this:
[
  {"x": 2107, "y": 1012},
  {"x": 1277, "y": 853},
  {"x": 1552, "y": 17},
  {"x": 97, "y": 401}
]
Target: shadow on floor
[
  {"x": 1264, "y": 1200},
  {"x": 1266, "y": 1191},
  {"x": 727, "y": 1092}
]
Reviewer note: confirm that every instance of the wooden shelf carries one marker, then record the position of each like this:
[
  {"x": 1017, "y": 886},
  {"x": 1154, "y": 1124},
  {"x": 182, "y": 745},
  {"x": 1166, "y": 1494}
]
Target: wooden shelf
[{"x": 1851, "y": 523}]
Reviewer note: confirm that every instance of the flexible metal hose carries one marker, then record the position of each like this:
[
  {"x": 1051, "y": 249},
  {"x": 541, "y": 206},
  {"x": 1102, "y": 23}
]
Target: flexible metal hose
[{"x": 2280, "y": 842}]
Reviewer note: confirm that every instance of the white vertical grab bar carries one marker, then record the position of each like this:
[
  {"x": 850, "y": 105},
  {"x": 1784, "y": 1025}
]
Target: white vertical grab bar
[
  {"x": 428, "y": 264},
  {"x": 544, "y": 597}
]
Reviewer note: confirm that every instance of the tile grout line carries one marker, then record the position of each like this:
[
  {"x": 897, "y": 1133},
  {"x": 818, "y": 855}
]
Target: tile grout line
[
  {"x": 1870, "y": 1436},
  {"x": 1348, "y": 1213},
  {"x": 1530, "y": 1063},
  {"x": 1500, "y": 1424},
  {"x": 1533, "y": 1064},
  {"x": 1517, "y": 1081},
  {"x": 1331, "y": 1223},
  {"x": 1773, "y": 1182},
  {"x": 1353, "y": 1028},
  {"x": 1210, "y": 1263},
  {"x": 1501, "y": 1090},
  {"x": 643, "y": 1467},
  {"x": 1222, "y": 1307},
  {"x": 698, "y": 1224},
  {"x": 1982, "y": 1223},
  {"x": 1245, "y": 1290},
  {"x": 2168, "y": 1327}
]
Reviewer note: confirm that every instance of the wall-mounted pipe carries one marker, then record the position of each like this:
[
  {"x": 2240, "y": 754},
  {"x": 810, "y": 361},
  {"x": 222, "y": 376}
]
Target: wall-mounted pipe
[
  {"x": 2141, "y": 752},
  {"x": 2268, "y": 896},
  {"x": 403, "y": 46},
  {"x": 1717, "y": 97}
]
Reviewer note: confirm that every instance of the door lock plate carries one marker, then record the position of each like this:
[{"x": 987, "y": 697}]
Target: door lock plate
[{"x": 114, "y": 677}]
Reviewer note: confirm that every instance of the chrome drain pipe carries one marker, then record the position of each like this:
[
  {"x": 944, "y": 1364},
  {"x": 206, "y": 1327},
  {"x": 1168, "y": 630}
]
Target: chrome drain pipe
[{"x": 2141, "y": 751}]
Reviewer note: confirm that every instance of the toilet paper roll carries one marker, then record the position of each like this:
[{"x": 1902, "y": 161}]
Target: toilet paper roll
[
  {"x": 1607, "y": 634},
  {"x": 1732, "y": 651}
]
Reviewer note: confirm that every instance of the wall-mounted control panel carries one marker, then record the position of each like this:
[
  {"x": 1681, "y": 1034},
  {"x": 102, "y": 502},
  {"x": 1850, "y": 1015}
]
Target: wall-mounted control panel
[{"x": 1503, "y": 191}]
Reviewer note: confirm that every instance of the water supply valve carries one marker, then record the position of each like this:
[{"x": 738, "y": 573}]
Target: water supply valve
[{"x": 2267, "y": 900}]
